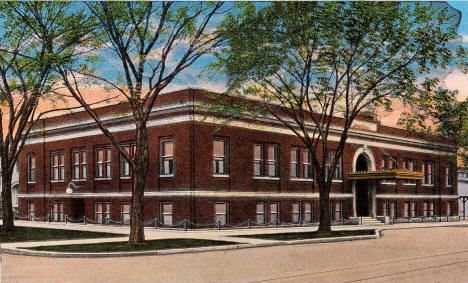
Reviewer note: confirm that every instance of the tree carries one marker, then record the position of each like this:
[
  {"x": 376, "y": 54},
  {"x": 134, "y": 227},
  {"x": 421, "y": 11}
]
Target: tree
[
  {"x": 153, "y": 42},
  {"x": 28, "y": 55},
  {"x": 312, "y": 63}
]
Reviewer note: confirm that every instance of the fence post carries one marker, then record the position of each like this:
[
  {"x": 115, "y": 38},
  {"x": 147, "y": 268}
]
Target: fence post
[
  {"x": 447, "y": 218},
  {"x": 66, "y": 219},
  {"x": 248, "y": 223},
  {"x": 84, "y": 220},
  {"x": 156, "y": 223},
  {"x": 185, "y": 224},
  {"x": 276, "y": 223},
  {"x": 219, "y": 225}
]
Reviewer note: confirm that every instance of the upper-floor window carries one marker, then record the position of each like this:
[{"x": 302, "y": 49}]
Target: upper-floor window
[
  {"x": 389, "y": 162},
  {"x": 79, "y": 165},
  {"x": 448, "y": 176},
  {"x": 125, "y": 170},
  {"x": 295, "y": 172},
  {"x": 167, "y": 157},
  {"x": 428, "y": 171},
  {"x": 258, "y": 160},
  {"x": 338, "y": 170},
  {"x": 220, "y": 156},
  {"x": 103, "y": 162},
  {"x": 57, "y": 166},
  {"x": 272, "y": 157},
  {"x": 301, "y": 166},
  {"x": 31, "y": 168},
  {"x": 409, "y": 165}
]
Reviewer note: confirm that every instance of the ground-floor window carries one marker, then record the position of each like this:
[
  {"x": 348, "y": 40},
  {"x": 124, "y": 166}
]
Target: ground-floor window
[
  {"x": 393, "y": 209},
  {"x": 102, "y": 211},
  {"x": 406, "y": 209},
  {"x": 274, "y": 212},
  {"x": 384, "y": 206},
  {"x": 221, "y": 210},
  {"x": 31, "y": 211},
  {"x": 296, "y": 212},
  {"x": 449, "y": 208},
  {"x": 309, "y": 212},
  {"x": 414, "y": 208},
  {"x": 260, "y": 213},
  {"x": 167, "y": 213},
  {"x": 57, "y": 212},
  {"x": 431, "y": 209},
  {"x": 125, "y": 212},
  {"x": 338, "y": 210}
]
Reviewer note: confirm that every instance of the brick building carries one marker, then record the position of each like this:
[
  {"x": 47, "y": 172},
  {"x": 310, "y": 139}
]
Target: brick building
[{"x": 205, "y": 171}]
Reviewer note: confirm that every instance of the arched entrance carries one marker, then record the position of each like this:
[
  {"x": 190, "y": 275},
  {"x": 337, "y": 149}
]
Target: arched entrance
[{"x": 362, "y": 187}]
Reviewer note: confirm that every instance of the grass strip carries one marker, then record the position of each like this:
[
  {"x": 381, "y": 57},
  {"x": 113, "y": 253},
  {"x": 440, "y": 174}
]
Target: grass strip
[
  {"x": 27, "y": 234},
  {"x": 160, "y": 244},
  {"x": 289, "y": 236}
]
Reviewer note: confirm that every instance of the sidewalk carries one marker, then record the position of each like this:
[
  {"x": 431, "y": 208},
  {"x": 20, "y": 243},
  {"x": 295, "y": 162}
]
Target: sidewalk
[{"x": 222, "y": 235}]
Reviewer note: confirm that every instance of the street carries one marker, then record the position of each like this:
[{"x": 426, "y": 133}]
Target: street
[{"x": 436, "y": 254}]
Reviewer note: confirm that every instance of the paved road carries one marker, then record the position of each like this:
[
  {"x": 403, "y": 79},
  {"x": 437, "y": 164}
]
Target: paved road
[{"x": 409, "y": 255}]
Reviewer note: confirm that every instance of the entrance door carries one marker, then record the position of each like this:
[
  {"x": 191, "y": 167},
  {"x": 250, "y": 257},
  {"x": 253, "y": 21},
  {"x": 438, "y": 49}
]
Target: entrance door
[
  {"x": 78, "y": 208},
  {"x": 362, "y": 198}
]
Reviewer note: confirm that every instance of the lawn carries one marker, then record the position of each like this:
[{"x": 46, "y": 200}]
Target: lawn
[
  {"x": 308, "y": 235},
  {"x": 161, "y": 244},
  {"x": 26, "y": 234}
]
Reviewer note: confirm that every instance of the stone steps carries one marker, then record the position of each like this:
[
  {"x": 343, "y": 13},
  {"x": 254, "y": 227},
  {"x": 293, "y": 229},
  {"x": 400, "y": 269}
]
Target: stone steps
[{"x": 369, "y": 221}]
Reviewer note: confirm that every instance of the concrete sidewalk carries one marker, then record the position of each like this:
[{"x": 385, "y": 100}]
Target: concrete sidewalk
[{"x": 220, "y": 235}]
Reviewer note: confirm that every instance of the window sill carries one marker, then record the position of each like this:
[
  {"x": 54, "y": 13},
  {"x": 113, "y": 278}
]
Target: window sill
[
  {"x": 221, "y": 175},
  {"x": 167, "y": 176},
  {"x": 78, "y": 180},
  {"x": 337, "y": 181},
  {"x": 428, "y": 185},
  {"x": 409, "y": 184},
  {"x": 31, "y": 183},
  {"x": 388, "y": 183},
  {"x": 302, "y": 179},
  {"x": 57, "y": 181},
  {"x": 102, "y": 179},
  {"x": 125, "y": 178},
  {"x": 266, "y": 178}
]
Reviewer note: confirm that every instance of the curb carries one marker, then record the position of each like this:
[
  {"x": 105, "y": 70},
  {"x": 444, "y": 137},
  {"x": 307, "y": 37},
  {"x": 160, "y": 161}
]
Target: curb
[{"x": 24, "y": 252}]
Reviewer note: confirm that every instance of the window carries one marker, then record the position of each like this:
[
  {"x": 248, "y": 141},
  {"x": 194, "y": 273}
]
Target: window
[
  {"x": 431, "y": 209},
  {"x": 414, "y": 209},
  {"x": 406, "y": 209},
  {"x": 57, "y": 167},
  {"x": 79, "y": 166},
  {"x": 272, "y": 160},
  {"x": 260, "y": 213},
  {"x": 393, "y": 209},
  {"x": 102, "y": 211},
  {"x": 338, "y": 210},
  {"x": 272, "y": 154},
  {"x": 220, "y": 156},
  {"x": 295, "y": 173},
  {"x": 274, "y": 212},
  {"x": 221, "y": 209},
  {"x": 448, "y": 176},
  {"x": 57, "y": 212},
  {"x": 31, "y": 168},
  {"x": 167, "y": 157},
  {"x": 428, "y": 171},
  {"x": 103, "y": 162},
  {"x": 167, "y": 214},
  {"x": 296, "y": 212},
  {"x": 31, "y": 211},
  {"x": 309, "y": 212},
  {"x": 409, "y": 165},
  {"x": 389, "y": 162},
  {"x": 125, "y": 169},
  {"x": 258, "y": 160},
  {"x": 449, "y": 208},
  {"x": 338, "y": 170},
  {"x": 425, "y": 209},
  {"x": 307, "y": 164},
  {"x": 125, "y": 212},
  {"x": 385, "y": 208}
]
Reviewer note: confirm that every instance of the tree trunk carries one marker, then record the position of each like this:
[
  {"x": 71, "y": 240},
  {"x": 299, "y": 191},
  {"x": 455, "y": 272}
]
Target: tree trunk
[
  {"x": 7, "y": 207},
  {"x": 141, "y": 160},
  {"x": 325, "y": 221}
]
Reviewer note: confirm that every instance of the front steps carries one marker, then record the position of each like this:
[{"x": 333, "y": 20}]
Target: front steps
[{"x": 369, "y": 221}]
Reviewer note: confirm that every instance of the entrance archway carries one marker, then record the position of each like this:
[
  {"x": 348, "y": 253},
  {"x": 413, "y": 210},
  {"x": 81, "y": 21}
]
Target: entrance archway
[{"x": 362, "y": 187}]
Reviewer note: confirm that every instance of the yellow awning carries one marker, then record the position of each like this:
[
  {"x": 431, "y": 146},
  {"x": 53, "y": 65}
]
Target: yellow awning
[{"x": 386, "y": 174}]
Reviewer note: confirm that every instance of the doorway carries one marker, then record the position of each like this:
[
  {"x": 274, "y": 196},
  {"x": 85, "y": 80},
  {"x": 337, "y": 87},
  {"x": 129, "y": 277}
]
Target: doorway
[{"x": 362, "y": 187}]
